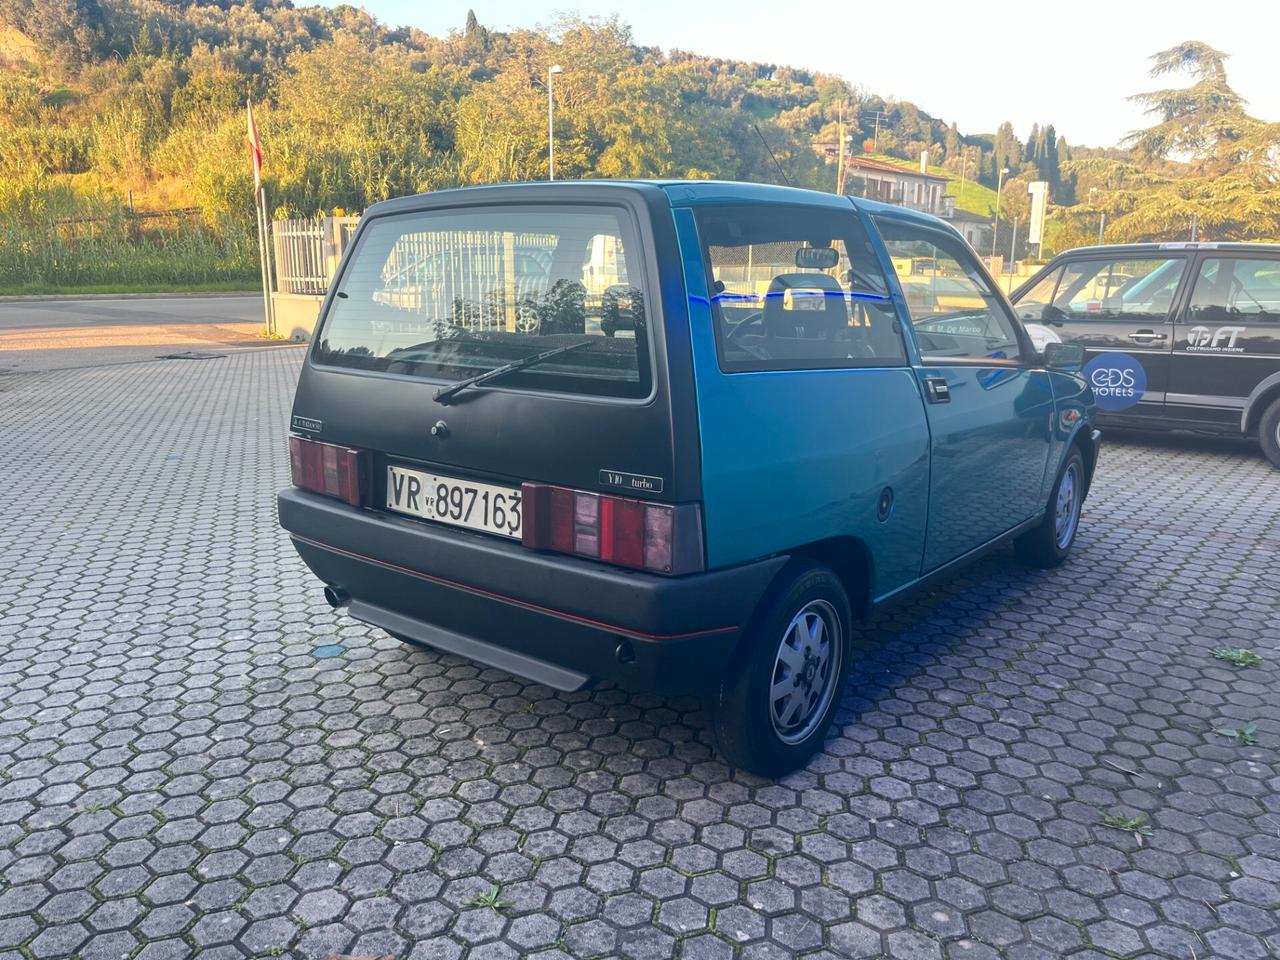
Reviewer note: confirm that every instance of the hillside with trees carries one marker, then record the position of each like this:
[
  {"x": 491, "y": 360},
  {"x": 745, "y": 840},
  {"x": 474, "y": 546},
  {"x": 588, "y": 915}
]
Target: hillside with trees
[{"x": 113, "y": 108}]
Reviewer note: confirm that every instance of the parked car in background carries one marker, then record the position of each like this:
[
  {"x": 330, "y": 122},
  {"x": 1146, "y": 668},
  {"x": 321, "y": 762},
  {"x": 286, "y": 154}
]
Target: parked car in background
[
  {"x": 1179, "y": 335},
  {"x": 762, "y": 441}
]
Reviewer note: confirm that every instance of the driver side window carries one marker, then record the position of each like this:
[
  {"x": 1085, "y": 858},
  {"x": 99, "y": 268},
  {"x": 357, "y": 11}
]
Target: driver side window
[
  {"x": 796, "y": 288},
  {"x": 956, "y": 313}
]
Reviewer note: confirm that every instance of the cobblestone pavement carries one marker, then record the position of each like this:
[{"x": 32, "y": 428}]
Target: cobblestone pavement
[{"x": 198, "y": 756}]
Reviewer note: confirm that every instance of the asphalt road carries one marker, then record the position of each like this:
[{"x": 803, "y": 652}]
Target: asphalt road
[
  {"x": 68, "y": 314},
  {"x": 41, "y": 335}
]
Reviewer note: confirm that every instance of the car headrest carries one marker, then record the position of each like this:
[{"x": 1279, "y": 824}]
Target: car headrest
[{"x": 804, "y": 306}]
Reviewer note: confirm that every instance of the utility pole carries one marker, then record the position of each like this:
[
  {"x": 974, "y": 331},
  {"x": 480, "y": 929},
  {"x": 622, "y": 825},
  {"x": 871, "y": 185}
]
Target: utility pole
[
  {"x": 995, "y": 224},
  {"x": 1102, "y": 225},
  {"x": 551, "y": 121},
  {"x": 840, "y": 148},
  {"x": 1013, "y": 246},
  {"x": 1195, "y": 227},
  {"x": 877, "y": 116}
]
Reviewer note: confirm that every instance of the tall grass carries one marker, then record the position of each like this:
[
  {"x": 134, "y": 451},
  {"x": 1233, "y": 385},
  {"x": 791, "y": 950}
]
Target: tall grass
[{"x": 55, "y": 241}]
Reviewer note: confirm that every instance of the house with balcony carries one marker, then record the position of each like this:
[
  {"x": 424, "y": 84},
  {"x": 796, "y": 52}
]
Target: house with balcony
[
  {"x": 905, "y": 186},
  {"x": 899, "y": 185}
]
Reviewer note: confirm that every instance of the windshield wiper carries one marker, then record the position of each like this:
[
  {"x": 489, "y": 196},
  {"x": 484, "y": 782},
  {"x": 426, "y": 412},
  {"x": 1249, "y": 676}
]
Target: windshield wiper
[{"x": 444, "y": 393}]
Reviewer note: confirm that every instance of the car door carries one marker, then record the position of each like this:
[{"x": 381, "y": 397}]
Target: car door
[
  {"x": 1227, "y": 339},
  {"x": 1119, "y": 309},
  {"x": 989, "y": 409}
]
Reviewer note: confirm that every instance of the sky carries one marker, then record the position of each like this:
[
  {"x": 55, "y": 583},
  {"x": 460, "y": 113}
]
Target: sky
[{"x": 1072, "y": 65}]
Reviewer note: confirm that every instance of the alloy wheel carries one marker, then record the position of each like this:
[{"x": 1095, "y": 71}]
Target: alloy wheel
[
  {"x": 1066, "y": 513},
  {"x": 805, "y": 669}
]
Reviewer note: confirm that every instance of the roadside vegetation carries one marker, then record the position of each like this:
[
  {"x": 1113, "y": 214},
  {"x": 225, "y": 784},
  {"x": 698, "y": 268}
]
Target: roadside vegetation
[
  {"x": 53, "y": 239},
  {"x": 110, "y": 109}
]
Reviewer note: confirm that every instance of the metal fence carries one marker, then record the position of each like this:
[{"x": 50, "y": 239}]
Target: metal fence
[
  {"x": 307, "y": 252},
  {"x": 477, "y": 279},
  {"x": 480, "y": 279}
]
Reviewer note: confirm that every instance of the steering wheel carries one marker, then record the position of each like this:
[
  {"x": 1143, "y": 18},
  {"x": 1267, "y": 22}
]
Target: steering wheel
[
  {"x": 1235, "y": 287},
  {"x": 755, "y": 319}
]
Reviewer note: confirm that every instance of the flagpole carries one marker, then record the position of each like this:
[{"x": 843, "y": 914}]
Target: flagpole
[
  {"x": 266, "y": 252},
  {"x": 262, "y": 261},
  {"x": 259, "y": 203}
]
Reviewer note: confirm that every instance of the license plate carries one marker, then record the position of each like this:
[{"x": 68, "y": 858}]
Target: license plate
[{"x": 461, "y": 503}]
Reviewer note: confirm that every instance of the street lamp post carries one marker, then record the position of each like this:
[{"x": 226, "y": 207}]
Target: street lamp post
[
  {"x": 840, "y": 162},
  {"x": 1102, "y": 216},
  {"x": 551, "y": 121},
  {"x": 1013, "y": 246},
  {"x": 995, "y": 224}
]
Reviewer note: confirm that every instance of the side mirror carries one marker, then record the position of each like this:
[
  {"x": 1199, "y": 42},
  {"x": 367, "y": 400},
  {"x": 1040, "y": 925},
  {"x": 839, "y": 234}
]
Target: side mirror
[
  {"x": 1064, "y": 356},
  {"x": 1053, "y": 316},
  {"x": 1031, "y": 312}
]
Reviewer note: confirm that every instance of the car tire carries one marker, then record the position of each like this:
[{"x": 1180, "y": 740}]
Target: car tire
[
  {"x": 799, "y": 632},
  {"x": 1048, "y": 544},
  {"x": 1269, "y": 433}
]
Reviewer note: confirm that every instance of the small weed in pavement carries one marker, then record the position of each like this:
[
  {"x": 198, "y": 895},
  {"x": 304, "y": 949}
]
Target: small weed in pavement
[
  {"x": 1238, "y": 656},
  {"x": 1243, "y": 734},
  {"x": 1139, "y": 824},
  {"x": 491, "y": 898}
]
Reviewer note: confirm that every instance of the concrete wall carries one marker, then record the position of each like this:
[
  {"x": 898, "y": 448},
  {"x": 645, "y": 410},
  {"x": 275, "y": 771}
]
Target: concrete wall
[{"x": 296, "y": 314}]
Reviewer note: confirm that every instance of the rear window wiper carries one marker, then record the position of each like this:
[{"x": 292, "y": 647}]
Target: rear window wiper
[{"x": 444, "y": 393}]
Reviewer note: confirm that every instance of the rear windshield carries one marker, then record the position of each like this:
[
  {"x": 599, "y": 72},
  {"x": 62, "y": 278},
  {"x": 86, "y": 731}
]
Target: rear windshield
[{"x": 451, "y": 294}]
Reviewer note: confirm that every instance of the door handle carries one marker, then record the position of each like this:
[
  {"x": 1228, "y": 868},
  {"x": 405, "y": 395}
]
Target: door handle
[
  {"x": 1147, "y": 336},
  {"x": 936, "y": 390}
]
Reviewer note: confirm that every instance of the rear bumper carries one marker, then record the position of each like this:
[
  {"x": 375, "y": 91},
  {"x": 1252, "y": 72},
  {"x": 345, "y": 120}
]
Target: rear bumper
[{"x": 558, "y": 620}]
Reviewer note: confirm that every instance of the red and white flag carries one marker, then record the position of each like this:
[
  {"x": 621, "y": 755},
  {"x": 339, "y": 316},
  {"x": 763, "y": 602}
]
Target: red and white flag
[{"x": 255, "y": 147}]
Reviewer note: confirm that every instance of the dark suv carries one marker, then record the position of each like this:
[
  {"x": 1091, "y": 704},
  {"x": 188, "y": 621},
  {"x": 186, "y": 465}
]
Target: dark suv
[{"x": 1178, "y": 335}]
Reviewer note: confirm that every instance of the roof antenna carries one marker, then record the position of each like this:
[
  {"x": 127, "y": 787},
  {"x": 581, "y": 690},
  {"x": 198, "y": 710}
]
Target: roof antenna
[{"x": 782, "y": 173}]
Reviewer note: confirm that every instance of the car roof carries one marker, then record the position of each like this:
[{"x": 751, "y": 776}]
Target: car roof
[
  {"x": 1111, "y": 249},
  {"x": 687, "y": 193},
  {"x": 680, "y": 193}
]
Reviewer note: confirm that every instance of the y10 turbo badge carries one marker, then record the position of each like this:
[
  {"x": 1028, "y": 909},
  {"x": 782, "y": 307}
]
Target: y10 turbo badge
[{"x": 1118, "y": 380}]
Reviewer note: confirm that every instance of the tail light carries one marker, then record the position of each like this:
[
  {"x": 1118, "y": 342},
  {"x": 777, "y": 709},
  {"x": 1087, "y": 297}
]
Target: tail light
[
  {"x": 331, "y": 470},
  {"x": 659, "y": 537}
]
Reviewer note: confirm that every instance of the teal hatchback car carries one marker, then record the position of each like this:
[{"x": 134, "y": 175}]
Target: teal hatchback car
[{"x": 676, "y": 436}]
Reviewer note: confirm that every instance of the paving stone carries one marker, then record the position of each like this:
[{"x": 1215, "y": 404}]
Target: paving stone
[{"x": 185, "y": 773}]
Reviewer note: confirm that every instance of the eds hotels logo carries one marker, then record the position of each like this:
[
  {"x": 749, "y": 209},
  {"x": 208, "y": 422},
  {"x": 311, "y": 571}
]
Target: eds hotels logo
[
  {"x": 1118, "y": 380},
  {"x": 1222, "y": 340}
]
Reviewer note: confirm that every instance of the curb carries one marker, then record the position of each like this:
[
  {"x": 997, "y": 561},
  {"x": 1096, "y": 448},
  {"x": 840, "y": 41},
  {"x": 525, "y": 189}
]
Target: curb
[{"x": 73, "y": 297}]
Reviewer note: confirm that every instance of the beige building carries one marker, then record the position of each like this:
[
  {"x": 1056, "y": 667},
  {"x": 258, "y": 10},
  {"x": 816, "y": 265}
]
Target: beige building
[
  {"x": 918, "y": 189},
  {"x": 901, "y": 186}
]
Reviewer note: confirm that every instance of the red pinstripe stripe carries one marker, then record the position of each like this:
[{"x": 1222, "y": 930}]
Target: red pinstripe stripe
[{"x": 563, "y": 615}]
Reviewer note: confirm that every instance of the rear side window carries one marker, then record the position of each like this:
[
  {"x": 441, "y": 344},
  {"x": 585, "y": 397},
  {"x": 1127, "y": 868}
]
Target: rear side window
[
  {"x": 796, "y": 288},
  {"x": 453, "y": 293},
  {"x": 1140, "y": 289},
  {"x": 1230, "y": 289}
]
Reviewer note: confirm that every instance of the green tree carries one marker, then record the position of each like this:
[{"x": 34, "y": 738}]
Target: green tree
[
  {"x": 1204, "y": 161},
  {"x": 1006, "y": 150},
  {"x": 73, "y": 31},
  {"x": 1203, "y": 121}
]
